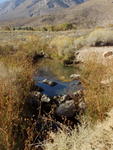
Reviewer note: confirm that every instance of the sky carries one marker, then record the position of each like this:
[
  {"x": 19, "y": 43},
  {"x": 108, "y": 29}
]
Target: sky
[{"x": 2, "y": 1}]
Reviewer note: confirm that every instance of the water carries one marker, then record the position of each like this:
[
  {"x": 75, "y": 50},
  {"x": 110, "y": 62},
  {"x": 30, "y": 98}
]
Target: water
[{"x": 55, "y": 71}]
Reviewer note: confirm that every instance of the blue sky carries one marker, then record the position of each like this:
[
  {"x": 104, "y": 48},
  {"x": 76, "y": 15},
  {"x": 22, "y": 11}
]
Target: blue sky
[{"x": 2, "y": 1}]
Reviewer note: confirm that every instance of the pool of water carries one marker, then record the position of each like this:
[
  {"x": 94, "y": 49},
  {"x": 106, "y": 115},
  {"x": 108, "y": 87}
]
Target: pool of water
[{"x": 55, "y": 71}]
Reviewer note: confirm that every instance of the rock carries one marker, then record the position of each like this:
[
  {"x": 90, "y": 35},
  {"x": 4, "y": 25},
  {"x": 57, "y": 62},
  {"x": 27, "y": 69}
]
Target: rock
[
  {"x": 67, "y": 62},
  {"x": 46, "y": 99},
  {"x": 78, "y": 94},
  {"x": 40, "y": 54},
  {"x": 64, "y": 98},
  {"x": 46, "y": 56},
  {"x": 79, "y": 83},
  {"x": 107, "y": 81},
  {"x": 50, "y": 83},
  {"x": 82, "y": 106},
  {"x": 45, "y": 81},
  {"x": 107, "y": 54},
  {"x": 75, "y": 76},
  {"x": 36, "y": 56},
  {"x": 37, "y": 94},
  {"x": 77, "y": 53},
  {"x": 76, "y": 62},
  {"x": 55, "y": 97},
  {"x": 66, "y": 109}
]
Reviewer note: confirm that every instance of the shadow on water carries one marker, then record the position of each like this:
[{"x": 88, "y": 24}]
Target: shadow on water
[{"x": 55, "y": 71}]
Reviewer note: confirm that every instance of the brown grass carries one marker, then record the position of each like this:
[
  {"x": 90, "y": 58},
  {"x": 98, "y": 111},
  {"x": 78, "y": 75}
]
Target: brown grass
[
  {"x": 99, "y": 137},
  {"x": 13, "y": 92},
  {"x": 99, "y": 98}
]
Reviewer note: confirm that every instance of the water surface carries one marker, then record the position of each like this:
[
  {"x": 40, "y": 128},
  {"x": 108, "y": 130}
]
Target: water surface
[{"x": 54, "y": 70}]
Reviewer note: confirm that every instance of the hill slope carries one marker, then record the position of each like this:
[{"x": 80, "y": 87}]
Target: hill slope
[
  {"x": 28, "y": 8},
  {"x": 87, "y": 14}
]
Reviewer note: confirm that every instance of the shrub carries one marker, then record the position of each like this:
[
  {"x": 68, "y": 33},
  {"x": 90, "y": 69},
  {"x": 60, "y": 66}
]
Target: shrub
[
  {"x": 100, "y": 37},
  {"x": 28, "y": 28},
  {"x": 7, "y": 50},
  {"x": 99, "y": 137},
  {"x": 12, "y": 129},
  {"x": 99, "y": 97},
  {"x": 64, "y": 45},
  {"x": 6, "y": 28},
  {"x": 64, "y": 27},
  {"x": 58, "y": 27},
  {"x": 79, "y": 42}
]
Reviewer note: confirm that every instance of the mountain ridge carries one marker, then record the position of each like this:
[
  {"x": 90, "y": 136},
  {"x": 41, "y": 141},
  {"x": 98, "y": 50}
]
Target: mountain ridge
[
  {"x": 87, "y": 14},
  {"x": 31, "y": 8}
]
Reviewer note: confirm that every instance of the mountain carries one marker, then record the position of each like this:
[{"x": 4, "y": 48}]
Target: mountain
[
  {"x": 29, "y": 8},
  {"x": 83, "y": 13}
]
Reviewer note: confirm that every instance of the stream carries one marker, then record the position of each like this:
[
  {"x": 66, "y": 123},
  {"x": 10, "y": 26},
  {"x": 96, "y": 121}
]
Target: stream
[{"x": 54, "y": 70}]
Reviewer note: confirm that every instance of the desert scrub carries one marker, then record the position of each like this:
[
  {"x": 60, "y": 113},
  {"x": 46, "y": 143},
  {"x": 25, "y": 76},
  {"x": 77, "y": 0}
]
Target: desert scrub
[
  {"x": 100, "y": 37},
  {"x": 79, "y": 42},
  {"x": 98, "y": 97},
  {"x": 14, "y": 89},
  {"x": 6, "y": 50},
  {"x": 99, "y": 137},
  {"x": 33, "y": 46},
  {"x": 29, "y": 51},
  {"x": 64, "y": 46},
  {"x": 58, "y": 27}
]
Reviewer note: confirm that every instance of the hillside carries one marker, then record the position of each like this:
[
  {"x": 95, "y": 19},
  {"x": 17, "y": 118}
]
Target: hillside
[
  {"x": 29, "y": 8},
  {"x": 87, "y": 14}
]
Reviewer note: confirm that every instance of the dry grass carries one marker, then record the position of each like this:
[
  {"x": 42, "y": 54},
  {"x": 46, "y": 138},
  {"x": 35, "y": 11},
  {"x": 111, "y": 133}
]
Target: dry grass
[
  {"x": 98, "y": 97},
  {"x": 64, "y": 45},
  {"x": 99, "y": 137},
  {"x": 16, "y": 80},
  {"x": 79, "y": 42},
  {"x": 100, "y": 37},
  {"x": 11, "y": 102},
  {"x": 97, "y": 37}
]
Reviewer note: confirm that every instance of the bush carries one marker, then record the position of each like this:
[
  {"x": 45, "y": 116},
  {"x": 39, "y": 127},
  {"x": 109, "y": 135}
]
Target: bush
[
  {"x": 64, "y": 45},
  {"x": 58, "y": 27},
  {"x": 7, "y": 50},
  {"x": 99, "y": 137},
  {"x": 6, "y": 28},
  {"x": 100, "y": 37},
  {"x": 12, "y": 128},
  {"x": 64, "y": 27},
  {"x": 99, "y": 97},
  {"x": 79, "y": 42},
  {"x": 23, "y": 28}
]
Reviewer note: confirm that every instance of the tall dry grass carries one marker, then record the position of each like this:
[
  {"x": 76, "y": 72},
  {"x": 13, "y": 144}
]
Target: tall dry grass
[
  {"x": 99, "y": 137},
  {"x": 98, "y": 96},
  {"x": 13, "y": 92},
  {"x": 16, "y": 80},
  {"x": 63, "y": 45},
  {"x": 97, "y": 37}
]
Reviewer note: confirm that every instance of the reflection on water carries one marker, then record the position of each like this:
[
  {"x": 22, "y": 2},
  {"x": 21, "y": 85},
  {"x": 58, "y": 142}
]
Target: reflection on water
[{"x": 54, "y": 70}]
